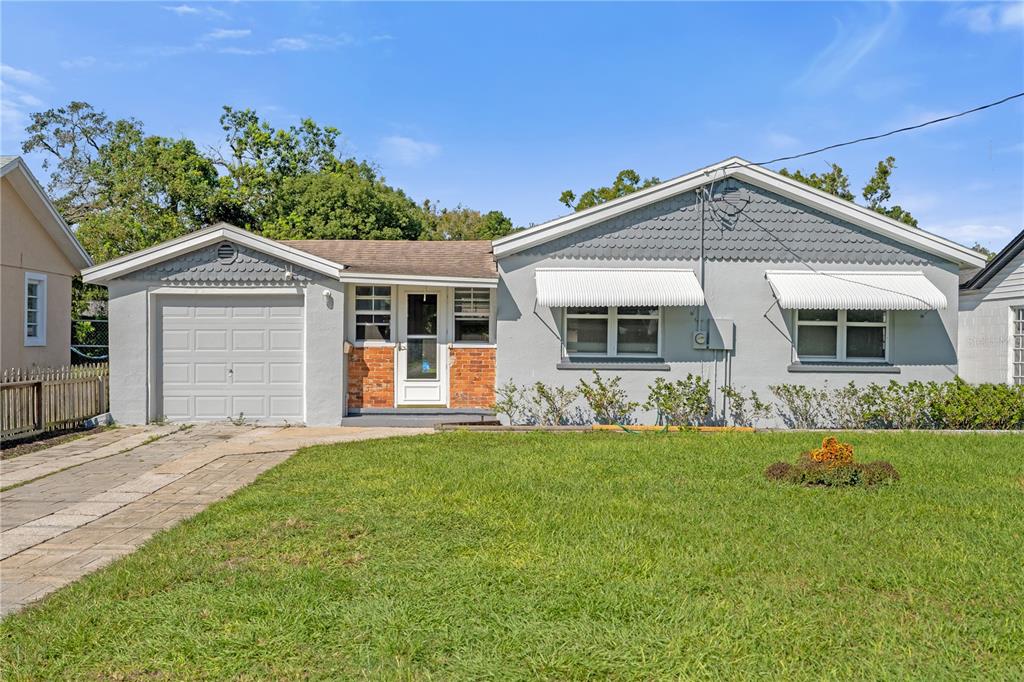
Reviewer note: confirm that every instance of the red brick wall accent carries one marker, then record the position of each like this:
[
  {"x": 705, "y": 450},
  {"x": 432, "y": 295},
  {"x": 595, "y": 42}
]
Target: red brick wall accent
[
  {"x": 371, "y": 377},
  {"x": 471, "y": 377}
]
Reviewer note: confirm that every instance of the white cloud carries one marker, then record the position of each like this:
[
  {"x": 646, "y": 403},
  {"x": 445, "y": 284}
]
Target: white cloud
[
  {"x": 21, "y": 76},
  {"x": 227, "y": 34},
  {"x": 17, "y": 99},
  {"x": 78, "y": 63},
  {"x": 992, "y": 235},
  {"x": 406, "y": 151},
  {"x": 848, "y": 48},
  {"x": 191, "y": 10},
  {"x": 989, "y": 18},
  {"x": 291, "y": 44}
]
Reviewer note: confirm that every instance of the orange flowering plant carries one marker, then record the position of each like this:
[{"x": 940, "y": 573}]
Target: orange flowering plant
[{"x": 832, "y": 452}]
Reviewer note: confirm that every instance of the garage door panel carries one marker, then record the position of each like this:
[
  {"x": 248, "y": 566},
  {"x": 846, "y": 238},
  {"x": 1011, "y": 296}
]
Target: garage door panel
[
  {"x": 177, "y": 373},
  {"x": 211, "y": 339},
  {"x": 285, "y": 372},
  {"x": 285, "y": 339},
  {"x": 177, "y": 407},
  {"x": 286, "y": 406},
  {"x": 230, "y": 355},
  {"x": 248, "y": 372},
  {"x": 177, "y": 339},
  {"x": 211, "y": 373},
  {"x": 248, "y": 339}
]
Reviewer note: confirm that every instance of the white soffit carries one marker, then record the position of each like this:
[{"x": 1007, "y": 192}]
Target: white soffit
[
  {"x": 807, "y": 290},
  {"x": 582, "y": 287}
]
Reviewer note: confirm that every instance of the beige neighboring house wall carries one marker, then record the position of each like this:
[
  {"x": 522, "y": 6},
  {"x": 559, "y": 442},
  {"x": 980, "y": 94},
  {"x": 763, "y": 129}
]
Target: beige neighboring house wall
[{"x": 34, "y": 243}]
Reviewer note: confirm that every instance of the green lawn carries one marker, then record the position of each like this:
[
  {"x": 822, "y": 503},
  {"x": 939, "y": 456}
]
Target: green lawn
[{"x": 566, "y": 556}]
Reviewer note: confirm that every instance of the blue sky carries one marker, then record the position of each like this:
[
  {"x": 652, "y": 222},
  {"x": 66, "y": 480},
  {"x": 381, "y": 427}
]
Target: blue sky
[{"x": 502, "y": 106}]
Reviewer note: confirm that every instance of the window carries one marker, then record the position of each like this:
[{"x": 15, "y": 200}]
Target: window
[
  {"x": 35, "y": 309},
  {"x": 625, "y": 331},
  {"x": 473, "y": 315},
  {"x": 1018, "y": 346},
  {"x": 373, "y": 313},
  {"x": 842, "y": 335}
]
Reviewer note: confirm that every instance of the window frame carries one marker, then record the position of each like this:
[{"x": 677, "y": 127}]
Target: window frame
[
  {"x": 842, "y": 325},
  {"x": 489, "y": 317},
  {"x": 612, "y": 339},
  {"x": 1017, "y": 346},
  {"x": 40, "y": 280},
  {"x": 390, "y": 313}
]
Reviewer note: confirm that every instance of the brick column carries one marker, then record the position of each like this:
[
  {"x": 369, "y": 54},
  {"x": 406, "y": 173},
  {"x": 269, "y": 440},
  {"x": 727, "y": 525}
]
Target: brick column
[
  {"x": 471, "y": 377},
  {"x": 371, "y": 377}
]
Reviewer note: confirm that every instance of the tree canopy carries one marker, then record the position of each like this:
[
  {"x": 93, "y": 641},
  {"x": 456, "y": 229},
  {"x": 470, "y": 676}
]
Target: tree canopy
[
  {"x": 626, "y": 182},
  {"x": 125, "y": 189},
  {"x": 877, "y": 193}
]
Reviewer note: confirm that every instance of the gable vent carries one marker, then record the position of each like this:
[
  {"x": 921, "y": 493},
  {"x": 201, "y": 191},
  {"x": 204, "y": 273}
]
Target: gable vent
[{"x": 226, "y": 253}]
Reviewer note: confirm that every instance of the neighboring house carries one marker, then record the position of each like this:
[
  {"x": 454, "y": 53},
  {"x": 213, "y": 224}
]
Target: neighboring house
[
  {"x": 38, "y": 257},
  {"x": 733, "y": 272},
  {"x": 992, "y": 319}
]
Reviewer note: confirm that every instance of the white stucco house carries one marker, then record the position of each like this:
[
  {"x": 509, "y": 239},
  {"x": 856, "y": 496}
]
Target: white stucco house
[
  {"x": 732, "y": 272},
  {"x": 991, "y": 345}
]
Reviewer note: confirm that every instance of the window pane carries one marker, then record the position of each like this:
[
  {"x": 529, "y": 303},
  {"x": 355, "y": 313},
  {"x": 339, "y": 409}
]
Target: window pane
[
  {"x": 638, "y": 337},
  {"x": 864, "y": 342},
  {"x": 583, "y": 335},
  {"x": 382, "y": 291},
  {"x": 472, "y": 301},
  {"x": 31, "y": 330},
  {"x": 422, "y": 314},
  {"x": 818, "y": 315},
  {"x": 364, "y": 291},
  {"x": 586, "y": 311},
  {"x": 421, "y": 359},
  {"x": 31, "y": 316},
  {"x": 816, "y": 341},
  {"x": 373, "y": 332},
  {"x": 638, "y": 310},
  {"x": 472, "y": 330},
  {"x": 865, "y": 316},
  {"x": 364, "y": 304},
  {"x": 33, "y": 289}
]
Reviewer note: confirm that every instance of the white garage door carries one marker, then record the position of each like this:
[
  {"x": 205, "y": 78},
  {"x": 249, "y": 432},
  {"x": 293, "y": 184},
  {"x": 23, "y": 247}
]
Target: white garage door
[{"x": 226, "y": 356}]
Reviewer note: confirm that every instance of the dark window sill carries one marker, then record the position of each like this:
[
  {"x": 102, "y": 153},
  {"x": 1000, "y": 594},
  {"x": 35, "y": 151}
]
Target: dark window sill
[
  {"x": 613, "y": 363},
  {"x": 844, "y": 367}
]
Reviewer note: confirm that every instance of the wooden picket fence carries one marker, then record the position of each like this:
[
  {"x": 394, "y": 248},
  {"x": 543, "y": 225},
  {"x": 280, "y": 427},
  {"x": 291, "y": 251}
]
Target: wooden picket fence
[{"x": 38, "y": 401}]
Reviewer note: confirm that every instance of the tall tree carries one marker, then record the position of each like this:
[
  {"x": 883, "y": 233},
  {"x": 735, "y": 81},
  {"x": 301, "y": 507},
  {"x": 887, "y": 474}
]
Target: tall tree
[
  {"x": 463, "y": 223},
  {"x": 626, "y": 182},
  {"x": 877, "y": 192}
]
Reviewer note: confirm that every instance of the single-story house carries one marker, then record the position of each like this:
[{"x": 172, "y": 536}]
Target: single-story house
[
  {"x": 991, "y": 341},
  {"x": 39, "y": 256},
  {"x": 732, "y": 272}
]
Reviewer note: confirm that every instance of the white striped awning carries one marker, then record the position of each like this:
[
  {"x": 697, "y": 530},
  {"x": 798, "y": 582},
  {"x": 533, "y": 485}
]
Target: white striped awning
[
  {"x": 807, "y": 290},
  {"x": 565, "y": 287}
]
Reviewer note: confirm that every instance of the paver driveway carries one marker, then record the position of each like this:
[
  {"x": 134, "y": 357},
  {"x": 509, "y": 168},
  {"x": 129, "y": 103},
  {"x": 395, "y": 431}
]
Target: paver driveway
[{"x": 80, "y": 505}]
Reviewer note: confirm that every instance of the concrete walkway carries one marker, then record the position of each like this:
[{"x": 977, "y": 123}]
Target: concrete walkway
[{"x": 119, "y": 491}]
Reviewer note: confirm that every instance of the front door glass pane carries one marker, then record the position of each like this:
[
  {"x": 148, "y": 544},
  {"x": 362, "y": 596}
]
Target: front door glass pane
[
  {"x": 422, "y": 314},
  {"x": 421, "y": 359}
]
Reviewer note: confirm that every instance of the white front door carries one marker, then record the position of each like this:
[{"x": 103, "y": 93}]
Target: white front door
[
  {"x": 231, "y": 356},
  {"x": 422, "y": 366}
]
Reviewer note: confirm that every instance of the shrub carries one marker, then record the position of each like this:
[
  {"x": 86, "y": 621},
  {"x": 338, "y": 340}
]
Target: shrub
[
  {"x": 552, "y": 406},
  {"x": 832, "y": 465},
  {"x": 898, "y": 406},
  {"x": 512, "y": 401},
  {"x": 801, "y": 406},
  {"x": 745, "y": 410},
  {"x": 686, "y": 402},
  {"x": 607, "y": 400}
]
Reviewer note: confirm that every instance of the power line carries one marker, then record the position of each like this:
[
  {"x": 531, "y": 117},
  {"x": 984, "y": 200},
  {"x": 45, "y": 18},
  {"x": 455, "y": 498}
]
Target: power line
[{"x": 891, "y": 132}]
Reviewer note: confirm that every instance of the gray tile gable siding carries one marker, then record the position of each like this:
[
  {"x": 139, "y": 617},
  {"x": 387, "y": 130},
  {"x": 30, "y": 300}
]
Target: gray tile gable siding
[
  {"x": 742, "y": 223},
  {"x": 202, "y": 267}
]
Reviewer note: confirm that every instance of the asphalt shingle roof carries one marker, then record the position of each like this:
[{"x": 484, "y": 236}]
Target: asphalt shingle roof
[{"x": 471, "y": 258}]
